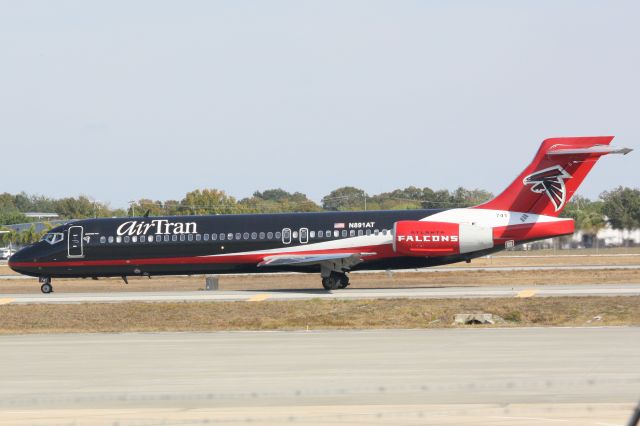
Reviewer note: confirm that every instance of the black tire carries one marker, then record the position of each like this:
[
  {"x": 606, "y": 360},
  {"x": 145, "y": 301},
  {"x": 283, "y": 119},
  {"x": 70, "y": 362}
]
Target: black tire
[
  {"x": 46, "y": 288},
  {"x": 344, "y": 281},
  {"x": 335, "y": 281},
  {"x": 326, "y": 283}
]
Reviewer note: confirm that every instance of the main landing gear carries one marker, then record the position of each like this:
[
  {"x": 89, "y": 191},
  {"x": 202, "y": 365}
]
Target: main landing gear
[
  {"x": 46, "y": 286},
  {"x": 335, "y": 281}
]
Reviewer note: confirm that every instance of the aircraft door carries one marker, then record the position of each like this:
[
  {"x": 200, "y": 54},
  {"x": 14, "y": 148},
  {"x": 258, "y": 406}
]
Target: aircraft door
[
  {"x": 286, "y": 236},
  {"x": 304, "y": 235},
  {"x": 75, "y": 239}
]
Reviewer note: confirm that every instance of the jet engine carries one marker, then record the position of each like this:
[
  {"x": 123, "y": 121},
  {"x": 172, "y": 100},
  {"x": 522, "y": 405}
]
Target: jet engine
[{"x": 418, "y": 238}]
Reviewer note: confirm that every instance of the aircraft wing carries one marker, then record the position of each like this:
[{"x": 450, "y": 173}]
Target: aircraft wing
[{"x": 344, "y": 259}]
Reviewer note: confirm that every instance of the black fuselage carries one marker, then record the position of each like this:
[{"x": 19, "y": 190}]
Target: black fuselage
[{"x": 209, "y": 244}]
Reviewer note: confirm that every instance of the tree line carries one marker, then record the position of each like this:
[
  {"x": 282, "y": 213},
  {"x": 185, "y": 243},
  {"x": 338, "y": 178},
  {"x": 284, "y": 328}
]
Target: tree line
[{"x": 619, "y": 207}]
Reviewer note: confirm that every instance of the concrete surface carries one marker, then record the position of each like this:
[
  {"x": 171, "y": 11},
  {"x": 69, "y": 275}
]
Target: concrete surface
[
  {"x": 15, "y": 276},
  {"x": 586, "y": 376},
  {"x": 271, "y": 295}
]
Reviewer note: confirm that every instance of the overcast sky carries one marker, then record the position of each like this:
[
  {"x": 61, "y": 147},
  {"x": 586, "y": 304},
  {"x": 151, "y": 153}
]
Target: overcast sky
[{"x": 120, "y": 100}]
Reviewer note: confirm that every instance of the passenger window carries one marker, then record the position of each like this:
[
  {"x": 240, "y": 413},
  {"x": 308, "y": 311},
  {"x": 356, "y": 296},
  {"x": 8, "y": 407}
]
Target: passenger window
[
  {"x": 376, "y": 232},
  {"x": 182, "y": 237},
  {"x": 336, "y": 234},
  {"x": 344, "y": 233},
  {"x": 278, "y": 235},
  {"x": 254, "y": 235},
  {"x": 368, "y": 231},
  {"x": 190, "y": 237},
  {"x": 238, "y": 236},
  {"x": 127, "y": 239},
  {"x": 174, "y": 237},
  {"x": 245, "y": 235},
  {"x": 352, "y": 233},
  {"x": 150, "y": 239},
  {"x": 198, "y": 237},
  {"x": 328, "y": 234},
  {"x": 229, "y": 236},
  {"x": 269, "y": 235},
  {"x": 262, "y": 235},
  {"x": 320, "y": 234},
  {"x": 360, "y": 232},
  {"x": 142, "y": 238},
  {"x": 118, "y": 239},
  {"x": 312, "y": 234},
  {"x": 222, "y": 237},
  {"x": 110, "y": 240},
  {"x": 103, "y": 239},
  {"x": 295, "y": 234},
  {"x": 206, "y": 236},
  {"x": 384, "y": 232},
  {"x": 166, "y": 238},
  {"x": 134, "y": 239}
]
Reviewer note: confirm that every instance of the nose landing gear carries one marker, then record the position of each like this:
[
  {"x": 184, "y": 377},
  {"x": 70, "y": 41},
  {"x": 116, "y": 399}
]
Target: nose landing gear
[{"x": 46, "y": 286}]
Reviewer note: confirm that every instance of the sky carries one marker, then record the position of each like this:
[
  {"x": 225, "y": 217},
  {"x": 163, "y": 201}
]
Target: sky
[{"x": 121, "y": 100}]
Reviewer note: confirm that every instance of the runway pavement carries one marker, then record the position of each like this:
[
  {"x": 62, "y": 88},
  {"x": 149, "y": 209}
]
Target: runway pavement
[
  {"x": 434, "y": 270},
  {"x": 573, "y": 376},
  {"x": 351, "y": 294}
]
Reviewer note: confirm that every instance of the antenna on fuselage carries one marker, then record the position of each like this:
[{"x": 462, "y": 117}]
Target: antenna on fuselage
[{"x": 146, "y": 214}]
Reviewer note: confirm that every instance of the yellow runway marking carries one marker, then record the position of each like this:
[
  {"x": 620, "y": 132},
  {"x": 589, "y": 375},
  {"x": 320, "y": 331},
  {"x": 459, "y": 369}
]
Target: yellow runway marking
[
  {"x": 527, "y": 293},
  {"x": 6, "y": 301},
  {"x": 259, "y": 298}
]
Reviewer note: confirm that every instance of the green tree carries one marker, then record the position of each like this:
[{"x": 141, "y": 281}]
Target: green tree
[
  {"x": 621, "y": 206},
  {"x": 587, "y": 216},
  {"x": 208, "y": 201},
  {"x": 80, "y": 208},
  {"x": 140, "y": 207},
  {"x": 12, "y": 217},
  {"x": 344, "y": 198},
  {"x": 278, "y": 200}
]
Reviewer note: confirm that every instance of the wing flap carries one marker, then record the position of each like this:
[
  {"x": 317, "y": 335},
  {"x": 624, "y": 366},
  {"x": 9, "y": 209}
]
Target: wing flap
[{"x": 311, "y": 259}]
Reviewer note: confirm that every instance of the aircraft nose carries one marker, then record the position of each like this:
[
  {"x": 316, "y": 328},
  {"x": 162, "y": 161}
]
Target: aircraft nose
[
  {"x": 15, "y": 258},
  {"x": 19, "y": 259}
]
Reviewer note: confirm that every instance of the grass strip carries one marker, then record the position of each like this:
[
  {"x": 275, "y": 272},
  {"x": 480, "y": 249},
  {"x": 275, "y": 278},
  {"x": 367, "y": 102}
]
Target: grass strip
[{"x": 314, "y": 314}]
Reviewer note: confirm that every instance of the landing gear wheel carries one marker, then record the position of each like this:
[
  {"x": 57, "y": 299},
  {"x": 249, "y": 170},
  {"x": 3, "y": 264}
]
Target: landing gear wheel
[
  {"x": 46, "y": 286},
  {"x": 344, "y": 281},
  {"x": 335, "y": 281}
]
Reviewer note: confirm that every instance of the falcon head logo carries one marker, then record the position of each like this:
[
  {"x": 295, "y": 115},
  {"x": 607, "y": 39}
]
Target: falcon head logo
[{"x": 551, "y": 182}]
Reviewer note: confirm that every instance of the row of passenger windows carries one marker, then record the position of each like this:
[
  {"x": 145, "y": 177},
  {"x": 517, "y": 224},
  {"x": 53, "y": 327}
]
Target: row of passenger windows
[{"x": 239, "y": 236}]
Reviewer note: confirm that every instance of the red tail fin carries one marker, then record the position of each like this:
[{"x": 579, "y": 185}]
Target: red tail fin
[{"x": 553, "y": 176}]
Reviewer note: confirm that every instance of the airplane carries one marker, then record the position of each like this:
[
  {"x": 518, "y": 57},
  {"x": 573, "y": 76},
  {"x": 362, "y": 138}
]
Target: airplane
[{"x": 331, "y": 243}]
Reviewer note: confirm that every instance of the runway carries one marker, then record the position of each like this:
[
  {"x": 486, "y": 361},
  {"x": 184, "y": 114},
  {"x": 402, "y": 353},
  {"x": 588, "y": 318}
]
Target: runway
[
  {"x": 435, "y": 270},
  {"x": 586, "y": 376},
  {"x": 347, "y": 294}
]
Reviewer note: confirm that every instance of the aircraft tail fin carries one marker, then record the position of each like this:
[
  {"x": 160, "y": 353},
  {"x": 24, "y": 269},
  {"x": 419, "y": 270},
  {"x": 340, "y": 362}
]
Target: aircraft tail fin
[{"x": 554, "y": 175}]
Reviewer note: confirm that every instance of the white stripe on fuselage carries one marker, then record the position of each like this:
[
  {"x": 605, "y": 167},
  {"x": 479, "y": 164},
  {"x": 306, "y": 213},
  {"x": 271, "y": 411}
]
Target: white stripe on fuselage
[
  {"x": 489, "y": 218},
  {"x": 479, "y": 217},
  {"x": 343, "y": 243}
]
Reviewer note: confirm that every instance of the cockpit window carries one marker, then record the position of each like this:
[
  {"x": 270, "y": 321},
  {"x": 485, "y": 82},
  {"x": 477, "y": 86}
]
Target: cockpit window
[{"x": 53, "y": 237}]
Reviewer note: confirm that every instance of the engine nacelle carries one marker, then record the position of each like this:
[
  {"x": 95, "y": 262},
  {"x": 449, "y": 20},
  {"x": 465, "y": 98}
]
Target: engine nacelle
[{"x": 417, "y": 238}]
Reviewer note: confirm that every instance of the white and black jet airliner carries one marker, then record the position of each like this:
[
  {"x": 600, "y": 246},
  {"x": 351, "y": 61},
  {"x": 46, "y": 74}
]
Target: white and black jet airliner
[{"x": 331, "y": 243}]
